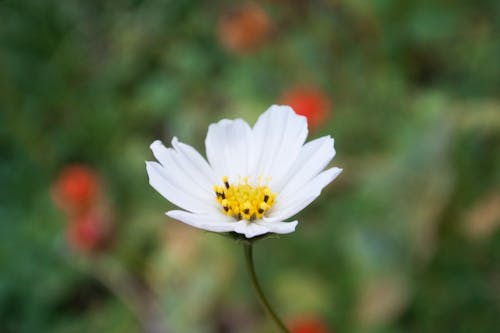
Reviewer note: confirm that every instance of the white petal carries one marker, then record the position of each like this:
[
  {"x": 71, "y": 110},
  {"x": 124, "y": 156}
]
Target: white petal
[
  {"x": 164, "y": 183},
  {"x": 178, "y": 170},
  {"x": 223, "y": 223},
  {"x": 279, "y": 227},
  {"x": 250, "y": 229},
  {"x": 210, "y": 222},
  {"x": 314, "y": 157},
  {"x": 277, "y": 137},
  {"x": 195, "y": 165},
  {"x": 283, "y": 209},
  {"x": 256, "y": 228},
  {"x": 227, "y": 147}
]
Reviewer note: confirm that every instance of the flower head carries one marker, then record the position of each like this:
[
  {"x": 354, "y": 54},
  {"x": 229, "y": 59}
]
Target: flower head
[{"x": 255, "y": 178}]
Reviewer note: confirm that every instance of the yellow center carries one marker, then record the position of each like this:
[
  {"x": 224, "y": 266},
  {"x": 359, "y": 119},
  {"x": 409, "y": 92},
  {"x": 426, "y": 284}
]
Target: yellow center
[{"x": 244, "y": 201}]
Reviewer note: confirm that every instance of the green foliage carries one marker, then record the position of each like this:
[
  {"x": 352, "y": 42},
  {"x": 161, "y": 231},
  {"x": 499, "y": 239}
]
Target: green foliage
[{"x": 405, "y": 240}]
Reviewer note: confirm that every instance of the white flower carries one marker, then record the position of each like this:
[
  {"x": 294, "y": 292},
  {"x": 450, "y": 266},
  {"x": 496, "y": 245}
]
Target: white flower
[{"x": 255, "y": 178}]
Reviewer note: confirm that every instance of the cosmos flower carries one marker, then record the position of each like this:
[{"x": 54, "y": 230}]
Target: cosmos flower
[{"x": 255, "y": 178}]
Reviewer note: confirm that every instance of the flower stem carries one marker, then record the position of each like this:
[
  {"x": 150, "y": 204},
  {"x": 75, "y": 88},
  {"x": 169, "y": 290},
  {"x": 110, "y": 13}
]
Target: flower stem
[{"x": 262, "y": 298}]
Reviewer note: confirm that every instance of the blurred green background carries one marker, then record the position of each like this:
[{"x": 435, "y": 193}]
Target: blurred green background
[{"x": 406, "y": 239}]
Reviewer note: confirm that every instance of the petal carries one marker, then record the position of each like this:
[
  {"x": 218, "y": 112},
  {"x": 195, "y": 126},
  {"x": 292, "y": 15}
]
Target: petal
[
  {"x": 256, "y": 228},
  {"x": 164, "y": 183},
  {"x": 279, "y": 227},
  {"x": 223, "y": 223},
  {"x": 283, "y": 209},
  {"x": 179, "y": 172},
  {"x": 195, "y": 165},
  {"x": 250, "y": 229},
  {"x": 227, "y": 147},
  {"x": 211, "y": 222},
  {"x": 314, "y": 157},
  {"x": 277, "y": 137}
]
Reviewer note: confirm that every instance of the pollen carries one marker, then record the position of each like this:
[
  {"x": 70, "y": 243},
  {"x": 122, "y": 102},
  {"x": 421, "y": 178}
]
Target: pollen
[{"x": 244, "y": 201}]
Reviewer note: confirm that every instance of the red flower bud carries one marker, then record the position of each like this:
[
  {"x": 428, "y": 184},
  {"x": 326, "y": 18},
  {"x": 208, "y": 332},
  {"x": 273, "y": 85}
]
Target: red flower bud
[
  {"x": 76, "y": 188},
  {"x": 243, "y": 28},
  {"x": 309, "y": 102},
  {"x": 89, "y": 232}
]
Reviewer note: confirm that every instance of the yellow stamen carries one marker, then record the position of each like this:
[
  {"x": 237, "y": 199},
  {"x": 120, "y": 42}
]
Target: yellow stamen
[{"x": 243, "y": 201}]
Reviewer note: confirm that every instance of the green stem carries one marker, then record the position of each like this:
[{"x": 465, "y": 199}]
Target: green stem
[{"x": 262, "y": 298}]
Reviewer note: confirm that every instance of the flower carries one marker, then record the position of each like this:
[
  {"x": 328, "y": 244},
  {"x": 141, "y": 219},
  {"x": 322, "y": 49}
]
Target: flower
[
  {"x": 78, "y": 193},
  {"x": 255, "y": 178},
  {"x": 76, "y": 188},
  {"x": 310, "y": 102},
  {"x": 89, "y": 232},
  {"x": 243, "y": 28}
]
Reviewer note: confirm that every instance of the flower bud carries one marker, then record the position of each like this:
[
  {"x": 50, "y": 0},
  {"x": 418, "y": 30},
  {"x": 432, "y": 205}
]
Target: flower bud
[
  {"x": 76, "y": 189},
  {"x": 310, "y": 102},
  {"x": 243, "y": 28},
  {"x": 89, "y": 233}
]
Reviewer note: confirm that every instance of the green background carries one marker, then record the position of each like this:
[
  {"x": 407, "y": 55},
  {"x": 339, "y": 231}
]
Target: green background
[{"x": 405, "y": 240}]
